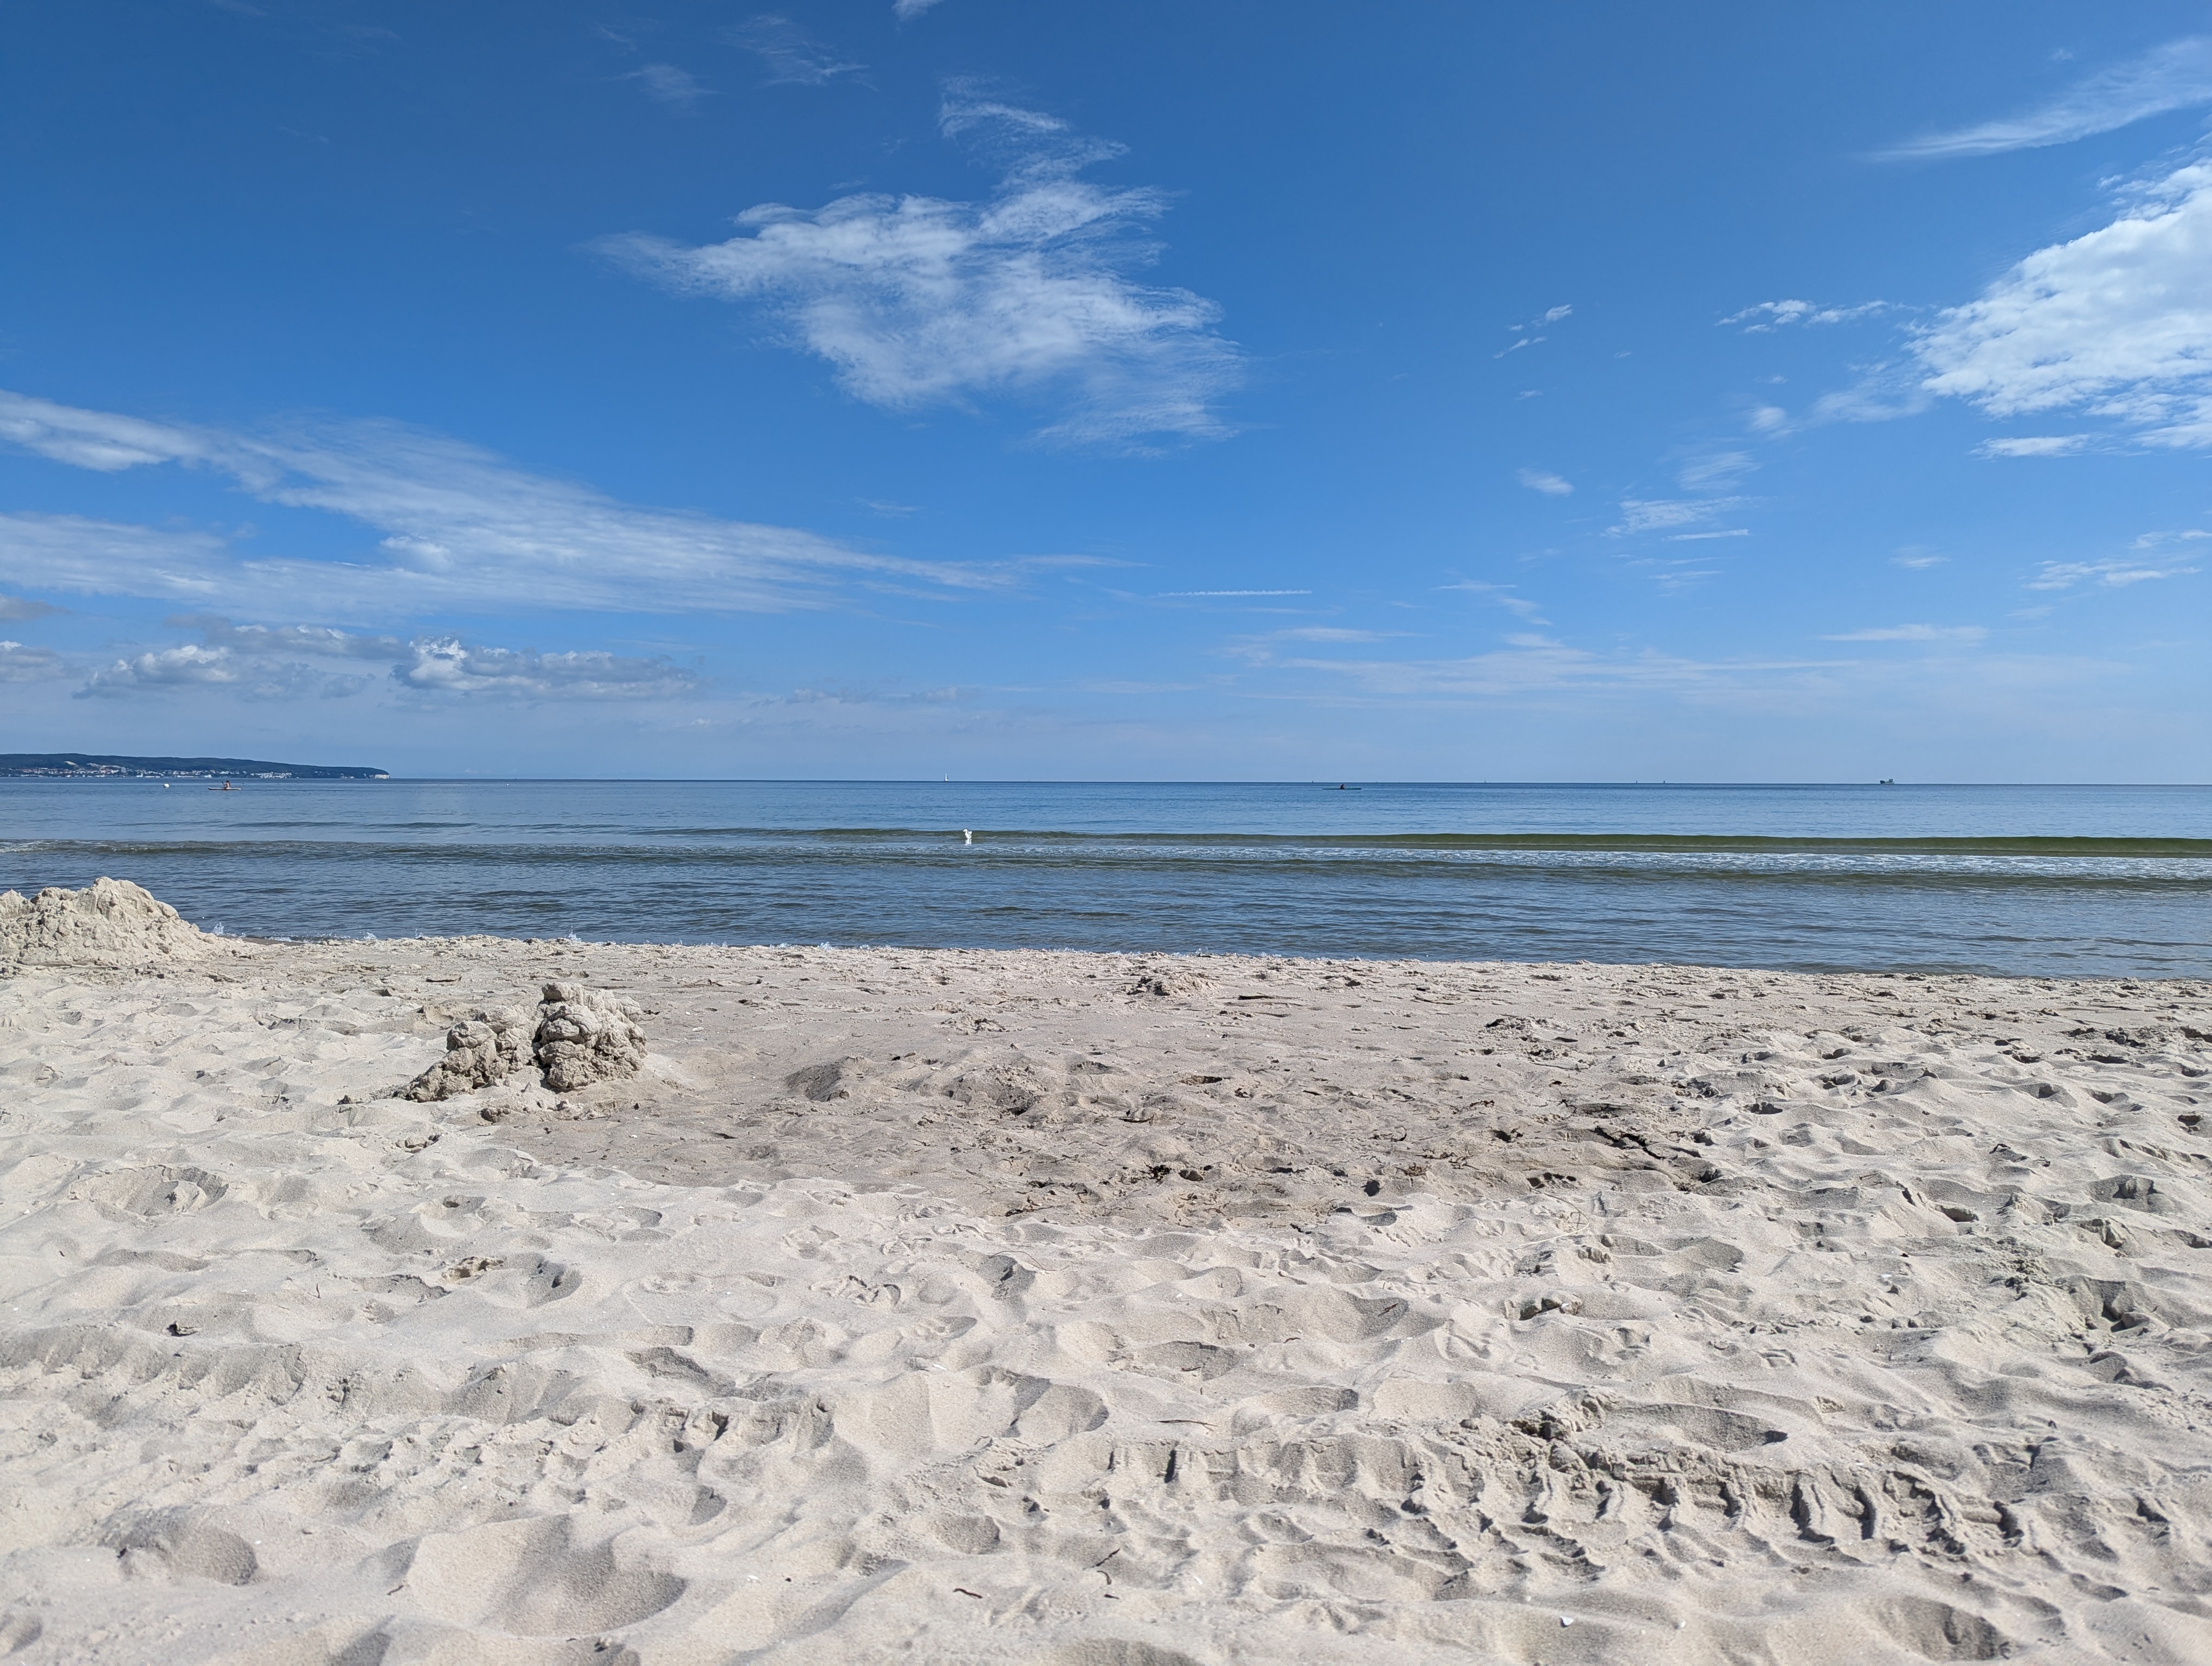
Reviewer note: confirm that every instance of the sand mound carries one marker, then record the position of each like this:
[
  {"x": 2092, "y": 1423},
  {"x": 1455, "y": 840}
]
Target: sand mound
[
  {"x": 490, "y": 1045},
  {"x": 110, "y": 923},
  {"x": 585, "y": 1036},
  {"x": 576, "y": 1036}
]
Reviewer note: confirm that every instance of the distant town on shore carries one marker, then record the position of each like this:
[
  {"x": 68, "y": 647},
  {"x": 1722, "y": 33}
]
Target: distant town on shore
[{"x": 75, "y": 766}]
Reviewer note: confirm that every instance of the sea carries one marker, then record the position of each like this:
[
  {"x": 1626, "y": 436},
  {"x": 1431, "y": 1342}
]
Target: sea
[{"x": 2049, "y": 881}]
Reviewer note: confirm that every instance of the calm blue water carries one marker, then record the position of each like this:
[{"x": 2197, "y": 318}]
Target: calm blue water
[{"x": 2052, "y": 880}]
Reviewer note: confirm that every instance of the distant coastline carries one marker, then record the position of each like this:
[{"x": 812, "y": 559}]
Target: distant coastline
[{"x": 92, "y": 766}]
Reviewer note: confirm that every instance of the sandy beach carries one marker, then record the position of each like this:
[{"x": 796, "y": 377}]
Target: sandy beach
[{"x": 1097, "y": 1310}]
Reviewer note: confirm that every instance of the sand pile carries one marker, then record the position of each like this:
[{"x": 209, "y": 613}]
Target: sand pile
[
  {"x": 577, "y": 1037},
  {"x": 585, "y": 1037},
  {"x": 111, "y": 923}
]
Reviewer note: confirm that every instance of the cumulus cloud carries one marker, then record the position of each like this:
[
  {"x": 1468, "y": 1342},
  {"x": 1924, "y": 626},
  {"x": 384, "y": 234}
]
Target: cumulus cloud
[
  {"x": 2065, "y": 575},
  {"x": 788, "y": 53},
  {"x": 2174, "y": 77},
  {"x": 463, "y": 529},
  {"x": 265, "y": 640},
  {"x": 196, "y": 667},
  {"x": 19, "y": 663},
  {"x": 1542, "y": 480},
  {"x": 920, "y": 301},
  {"x": 679, "y": 90},
  {"x": 252, "y": 662},
  {"x": 2117, "y": 322},
  {"x": 1912, "y": 633},
  {"x": 1769, "y": 315},
  {"x": 448, "y": 665}
]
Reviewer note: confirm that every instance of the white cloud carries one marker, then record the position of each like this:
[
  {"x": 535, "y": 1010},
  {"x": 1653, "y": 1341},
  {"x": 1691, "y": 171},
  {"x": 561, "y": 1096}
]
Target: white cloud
[
  {"x": 1537, "y": 323},
  {"x": 249, "y": 661},
  {"x": 1912, "y": 633},
  {"x": 447, "y": 666},
  {"x": 1235, "y": 593},
  {"x": 907, "y": 10},
  {"x": 679, "y": 90},
  {"x": 265, "y": 640},
  {"x": 1260, "y": 650},
  {"x": 22, "y": 607},
  {"x": 1770, "y": 315},
  {"x": 920, "y": 301},
  {"x": 195, "y": 666},
  {"x": 19, "y": 663},
  {"x": 1540, "y": 480},
  {"x": 2173, "y": 76},
  {"x": 1503, "y": 595},
  {"x": 2065, "y": 575},
  {"x": 788, "y": 53},
  {"x": 463, "y": 529},
  {"x": 1536, "y": 664},
  {"x": 2035, "y": 445},
  {"x": 1698, "y": 538},
  {"x": 1718, "y": 469},
  {"x": 2117, "y": 322},
  {"x": 1646, "y": 515},
  {"x": 1915, "y": 561}
]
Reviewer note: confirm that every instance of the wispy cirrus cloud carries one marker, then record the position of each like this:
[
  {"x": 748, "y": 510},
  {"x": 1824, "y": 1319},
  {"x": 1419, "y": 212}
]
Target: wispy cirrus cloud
[
  {"x": 1912, "y": 633},
  {"x": 462, "y": 531},
  {"x": 2036, "y": 444},
  {"x": 919, "y": 301},
  {"x": 791, "y": 56},
  {"x": 2066, "y": 574},
  {"x": 1529, "y": 334},
  {"x": 2117, "y": 322},
  {"x": 2176, "y": 76},
  {"x": 1660, "y": 514},
  {"x": 663, "y": 83},
  {"x": 1719, "y": 468},
  {"x": 1531, "y": 663},
  {"x": 1501, "y": 595},
  {"x": 907, "y": 10},
  {"x": 1770, "y": 315},
  {"x": 1544, "y": 481},
  {"x": 1265, "y": 648}
]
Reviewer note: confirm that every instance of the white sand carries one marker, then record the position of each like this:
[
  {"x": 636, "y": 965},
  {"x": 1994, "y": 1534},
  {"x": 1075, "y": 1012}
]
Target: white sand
[{"x": 976, "y": 1307}]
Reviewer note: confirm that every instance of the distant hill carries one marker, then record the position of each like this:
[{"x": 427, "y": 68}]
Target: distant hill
[{"x": 73, "y": 766}]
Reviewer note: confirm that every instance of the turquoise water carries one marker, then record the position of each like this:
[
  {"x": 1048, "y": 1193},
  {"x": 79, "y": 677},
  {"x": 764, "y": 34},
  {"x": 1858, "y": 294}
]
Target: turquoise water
[{"x": 2090, "y": 880}]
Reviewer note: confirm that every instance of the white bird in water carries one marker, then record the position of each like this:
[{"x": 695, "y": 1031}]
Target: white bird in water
[{"x": 967, "y": 837}]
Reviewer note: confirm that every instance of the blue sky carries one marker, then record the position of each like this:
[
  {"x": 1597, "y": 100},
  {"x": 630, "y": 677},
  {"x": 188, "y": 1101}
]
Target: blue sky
[{"x": 1234, "y": 390}]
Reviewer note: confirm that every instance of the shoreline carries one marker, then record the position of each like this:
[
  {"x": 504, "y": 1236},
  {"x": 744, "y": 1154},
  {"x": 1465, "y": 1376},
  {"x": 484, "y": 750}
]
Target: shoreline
[{"x": 1026, "y": 1305}]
